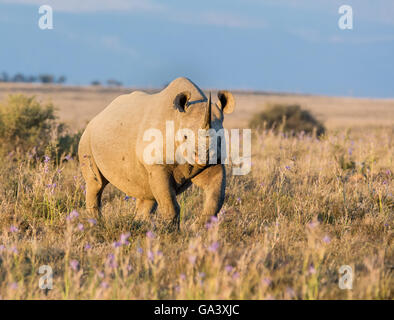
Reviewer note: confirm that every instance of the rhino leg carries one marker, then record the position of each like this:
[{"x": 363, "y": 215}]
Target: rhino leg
[
  {"x": 145, "y": 208},
  {"x": 213, "y": 181},
  {"x": 95, "y": 181},
  {"x": 163, "y": 188}
]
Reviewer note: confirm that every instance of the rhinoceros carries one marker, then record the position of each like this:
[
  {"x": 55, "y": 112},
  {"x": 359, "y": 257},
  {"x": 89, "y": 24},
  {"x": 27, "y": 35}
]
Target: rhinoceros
[{"x": 112, "y": 146}]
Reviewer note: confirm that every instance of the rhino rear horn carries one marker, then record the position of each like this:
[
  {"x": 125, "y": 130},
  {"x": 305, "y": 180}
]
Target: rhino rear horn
[
  {"x": 207, "y": 119},
  {"x": 181, "y": 100}
]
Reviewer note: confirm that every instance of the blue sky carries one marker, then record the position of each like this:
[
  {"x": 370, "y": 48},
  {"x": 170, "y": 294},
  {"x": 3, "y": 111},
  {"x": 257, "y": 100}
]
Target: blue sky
[{"x": 272, "y": 45}]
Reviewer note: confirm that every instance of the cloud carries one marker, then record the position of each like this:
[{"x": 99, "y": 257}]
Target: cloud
[
  {"x": 361, "y": 40},
  {"x": 229, "y": 20},
  {"x": 109, "y": 42},
  {"x": 79, "y": 6},
  {"x": 381, "y": 11},
  {"x": 315, "y": 36},
  {"x": 219, "y": 19},
  {"x": 114, "y": 43},
  {"x": 213, "y": 18}
]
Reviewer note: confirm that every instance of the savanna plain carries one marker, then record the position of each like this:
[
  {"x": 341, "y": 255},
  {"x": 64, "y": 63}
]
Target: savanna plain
[{"x": 309, "y": 206}]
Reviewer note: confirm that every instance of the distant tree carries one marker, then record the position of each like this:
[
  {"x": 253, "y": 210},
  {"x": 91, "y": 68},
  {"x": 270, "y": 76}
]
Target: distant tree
[
  {"x": 31, "y": 79},
  {"x": 19, "y": 77},
  {"x": 46, "y": 78},
  {"x": 4, "y": 77},
  {"x": 95, "y": 83},
  {"x": 114, "y": 83},
  {"x": 61, "y": 79}
]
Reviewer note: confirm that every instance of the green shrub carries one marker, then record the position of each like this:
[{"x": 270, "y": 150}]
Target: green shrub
[
  {"x": 287, "y": 118},
  {"x": 26, "y": 125}
]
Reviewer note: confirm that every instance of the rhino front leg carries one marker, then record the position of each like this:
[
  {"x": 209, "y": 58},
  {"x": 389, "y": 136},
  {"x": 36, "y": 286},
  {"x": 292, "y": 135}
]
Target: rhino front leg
[
  {"x": 162, "y": 187},
  {"x": 213, "y": 181}
]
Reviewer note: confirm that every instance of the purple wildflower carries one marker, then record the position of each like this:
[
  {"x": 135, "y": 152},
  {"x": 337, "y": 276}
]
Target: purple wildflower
[
  {"x": 222, "y": 213},
  {"x": 192, "y": 259},
  {"x": 13, "y": 229},
  {"x": 111, "y": 261},
  {"x": 139, "y": 250},
  {"x": 326, "y": 239},
  {"x": 46, "y": 159},
  {"x": 104, "y": 285},
  {"x": 201, "y": 274},
  {"x": 214, "y": 246},
  {"x": 117, "y": 244},
  {"x": 13, "y": 285},
  {"x": 74, "y": 264},
  {"x": 126, "y": 198},
  {"x": 51, "y": 186},
  {"x": 87, "y": 246},
  {"x": 124, "y": 237},
  {"x": 182, "y": 276},
  {"x": 68, "y": 157},
  {"x": 92, "y": 221},
  {"x": 73, "y": 214},
  {"x": 290, "y": 292},
  {"x": 229, "y": 268},
  {"x": 214, "y": 219},
  {"x": 267, "y": 281},
  {"x": 287, "y": 167},
  {"x": 150, "y": 235},
  {"x": 13, "y": 250},
  {"x": 236, "y": 275},
  {"x": 80, "y": 227},
  {"x": 313, "y": 224},
  {"x": 311, "y": 269},
  {"x": 151, "y": 255}
]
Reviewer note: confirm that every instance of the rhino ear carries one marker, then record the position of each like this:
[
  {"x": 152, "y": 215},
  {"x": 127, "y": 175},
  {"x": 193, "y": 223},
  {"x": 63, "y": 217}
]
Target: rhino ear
[
  {"x": 181, "y": 100},
  {"x": 227, "y": 101}
]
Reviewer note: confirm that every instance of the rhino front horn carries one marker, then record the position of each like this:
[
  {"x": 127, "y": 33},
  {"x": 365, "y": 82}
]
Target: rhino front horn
[{"x": 207, "y": 120}]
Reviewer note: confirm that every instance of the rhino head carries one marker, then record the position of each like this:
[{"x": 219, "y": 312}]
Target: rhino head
[{"x": 196, "y": 119}]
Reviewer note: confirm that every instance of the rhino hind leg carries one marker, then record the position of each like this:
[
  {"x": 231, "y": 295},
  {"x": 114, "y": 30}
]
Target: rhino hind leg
[
  {"x": 95, "y": 181},
  {"x": 145, "y": 208}
]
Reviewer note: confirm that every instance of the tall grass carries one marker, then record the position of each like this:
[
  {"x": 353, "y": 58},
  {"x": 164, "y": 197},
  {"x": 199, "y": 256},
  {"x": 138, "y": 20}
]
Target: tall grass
[{"x": 308, "y": 207}]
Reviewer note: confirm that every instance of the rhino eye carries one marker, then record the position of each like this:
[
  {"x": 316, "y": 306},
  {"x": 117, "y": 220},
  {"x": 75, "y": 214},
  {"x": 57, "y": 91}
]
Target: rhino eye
[{"x": 185, "y": 137}]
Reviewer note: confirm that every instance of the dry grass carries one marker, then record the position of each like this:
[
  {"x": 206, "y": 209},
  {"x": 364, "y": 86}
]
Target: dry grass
[{"x": 308, "y": 207}]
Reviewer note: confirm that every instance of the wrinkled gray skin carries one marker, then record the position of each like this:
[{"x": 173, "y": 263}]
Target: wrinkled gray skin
[{"x": 111, "y": 150}]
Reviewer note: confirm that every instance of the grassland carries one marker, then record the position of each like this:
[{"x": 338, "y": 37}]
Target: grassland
[{"x": 308, "y": 207}]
